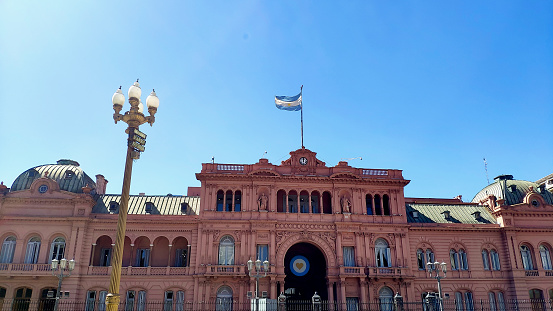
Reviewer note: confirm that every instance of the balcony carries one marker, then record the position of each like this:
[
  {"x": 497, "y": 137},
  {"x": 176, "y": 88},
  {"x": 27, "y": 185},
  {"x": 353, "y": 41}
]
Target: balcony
[
  {"x": 225, "y": 270},
  {"x": 352, "y": 271},
  {"x": 386, "y": 272},
  {"x": 27, "y": 269},
  {"x": 143, "y": 271},
  {"x": 531, "y": 273}
]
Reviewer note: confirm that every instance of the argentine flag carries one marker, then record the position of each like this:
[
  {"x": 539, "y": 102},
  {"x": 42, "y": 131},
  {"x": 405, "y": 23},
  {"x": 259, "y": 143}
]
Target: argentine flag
[{"x": 290, "y": 103}]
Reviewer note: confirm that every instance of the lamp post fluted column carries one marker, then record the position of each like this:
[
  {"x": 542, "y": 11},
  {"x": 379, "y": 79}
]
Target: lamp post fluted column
[
  {"x": 257, "y": 271},
  {"x": 58, "y": 269},
  {"x": 136, "y": 141}
]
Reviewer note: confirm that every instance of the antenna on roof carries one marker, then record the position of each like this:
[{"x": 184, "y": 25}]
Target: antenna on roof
[{"x": 486, "y": 168}]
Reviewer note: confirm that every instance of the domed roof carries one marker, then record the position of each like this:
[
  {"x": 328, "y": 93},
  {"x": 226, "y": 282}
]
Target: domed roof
[
  {"x": 513, "y": 191},
  {"x": 66, "y": 173}
]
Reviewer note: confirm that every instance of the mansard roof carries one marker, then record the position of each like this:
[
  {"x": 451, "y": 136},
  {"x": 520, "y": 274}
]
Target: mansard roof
[
  {"x": 512, "y": 191},
  {"x": 459, "y": 213},
  {"x": 162, "y": 205}
]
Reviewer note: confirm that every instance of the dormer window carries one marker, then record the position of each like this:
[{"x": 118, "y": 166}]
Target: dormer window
[
  {"x": 512, "y": 188},
  {"x": 113, "y": 206},
  {"x": 415, "y": 214},
  {"x": 69, "y": 174},
  {"x": 476, "y": 215},
  {"x": 183, "y": 207},
  {"x": 446, "y": 214},
  {"x": 149, "y": 207}
]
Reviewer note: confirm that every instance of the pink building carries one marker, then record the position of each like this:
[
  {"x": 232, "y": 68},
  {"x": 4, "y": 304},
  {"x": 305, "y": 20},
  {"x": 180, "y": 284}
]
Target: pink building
[{"x": 347, "y": 233}]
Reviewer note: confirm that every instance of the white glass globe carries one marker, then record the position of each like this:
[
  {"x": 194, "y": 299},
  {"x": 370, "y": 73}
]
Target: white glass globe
[
  {"x": 135, "y": 91},
  {"x": 152, "y": 100},
  {"x": 141, "y": 107},
  {"x": 118, "y": 97}
]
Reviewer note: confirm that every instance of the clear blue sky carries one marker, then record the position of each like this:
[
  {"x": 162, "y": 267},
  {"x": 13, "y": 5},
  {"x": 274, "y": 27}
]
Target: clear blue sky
[{"x": 428, "y": 87}]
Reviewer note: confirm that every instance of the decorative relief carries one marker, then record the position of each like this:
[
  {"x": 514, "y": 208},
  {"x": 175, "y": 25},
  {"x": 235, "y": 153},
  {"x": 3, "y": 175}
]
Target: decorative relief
[
  {"x": 81, "y": 211},
  {"x": 238, "y": 235},
  {"x": 347, "y": 237},
  {"x": 306, "y": 226},
  {"x": 263, "y": 236},
  {"x": 215, "y": 233},
  {"x": 391, "y": 239}
]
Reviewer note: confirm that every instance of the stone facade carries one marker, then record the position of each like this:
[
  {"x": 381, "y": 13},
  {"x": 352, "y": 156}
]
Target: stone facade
[{"x": 353, "y": 231}]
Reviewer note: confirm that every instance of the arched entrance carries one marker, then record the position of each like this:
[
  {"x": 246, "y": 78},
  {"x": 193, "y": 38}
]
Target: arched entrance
[{"x": 305, "y": 268}]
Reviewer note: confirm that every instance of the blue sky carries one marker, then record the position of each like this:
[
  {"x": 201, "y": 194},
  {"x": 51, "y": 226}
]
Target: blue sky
[{"x": 428, "y": 87}]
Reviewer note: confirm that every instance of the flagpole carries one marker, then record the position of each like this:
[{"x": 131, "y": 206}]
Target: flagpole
[{"x": 301, "y": 108}]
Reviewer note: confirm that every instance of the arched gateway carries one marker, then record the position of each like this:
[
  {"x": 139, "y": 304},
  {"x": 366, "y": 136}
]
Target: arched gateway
[{"x": 306, "y": 272}]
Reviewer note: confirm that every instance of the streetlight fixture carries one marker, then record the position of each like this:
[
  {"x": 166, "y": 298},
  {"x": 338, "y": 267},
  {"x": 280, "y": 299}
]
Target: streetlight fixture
[
  {"x": 258, "y": 271},
  {"x": 136, "y": 141},
  {"x": 61, "y": 269},
  {"x": 435, "y": 268}
]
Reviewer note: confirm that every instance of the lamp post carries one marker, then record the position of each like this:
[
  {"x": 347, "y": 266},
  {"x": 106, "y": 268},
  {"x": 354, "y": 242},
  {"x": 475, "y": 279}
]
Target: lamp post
[
  {"x": 136, "y": 141},
  {"x": 61, "y": 269},
  {"x": 257, "y": 271},
  {"x": 435, "y": 268}
]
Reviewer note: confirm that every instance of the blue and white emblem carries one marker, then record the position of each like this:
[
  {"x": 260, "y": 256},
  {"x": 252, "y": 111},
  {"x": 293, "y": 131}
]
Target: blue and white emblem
[{"x": 299, "y": 265}]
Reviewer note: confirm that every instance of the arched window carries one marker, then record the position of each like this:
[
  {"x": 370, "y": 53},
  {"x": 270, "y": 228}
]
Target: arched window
[
  {"x": 497, "y": 301},
  {"x": 281, "y": 201},
  {"x": 382, "y": 252},
  {"x": 315, "y": 202},
  {"x": 377, "y": 205},
  {"x": 33, "y": 248},
  {"x": 485, "y": 259},
  {"x": 22, "y": 298},
  {"x": 420, "y": 259},
  {"x": 237, "y": 201},
  {"x": 292, "y": 201},
  {"x": 495, "y": 260},
  {"x": 226, "y": 250},
  {"x": 7, "y": 251},
  {"x": 545, "y": 257},
  {"x": 463, "y": 301},
  {"x": 463, "y": 261},
  {"x": 526, "y": 255},
  {"x": 536, "y": 298},
  {"x": 228, "y": 204},
  {"x": 327, "y": 203},
  {"x": 304, "y": 202},
  {"x": 369, "y": 204},
  {"x": 386, "y": 298},
  {"x": 386, "y": 205},
  {"x": 429, "y": 255},
  {"x": 57, "y": 249},
  {"x": 220, "y": 199},
  {"x": 459, "y": 305},
  {"x": 224, "y": 299},
  {"x": 454, "y": 259}
]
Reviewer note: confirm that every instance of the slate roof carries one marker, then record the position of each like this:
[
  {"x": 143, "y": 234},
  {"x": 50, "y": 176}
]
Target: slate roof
[
  {"x": 459, "y": 213},
  {"x": 502, "y": 189},
  {"x": 56, "y": 172},
  {"x": 162, "y": 205}
]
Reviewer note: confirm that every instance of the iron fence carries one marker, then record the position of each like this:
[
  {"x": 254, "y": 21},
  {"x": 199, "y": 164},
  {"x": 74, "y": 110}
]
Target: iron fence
[{"x": 274, "y": 305}]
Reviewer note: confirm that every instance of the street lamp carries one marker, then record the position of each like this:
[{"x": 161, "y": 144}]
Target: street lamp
[
  {"x": 258, "y": 271},
  {"x": 61, "y": 269},
  {"x": 135, "y": 145},
  {"x": 436, "y": 268}
]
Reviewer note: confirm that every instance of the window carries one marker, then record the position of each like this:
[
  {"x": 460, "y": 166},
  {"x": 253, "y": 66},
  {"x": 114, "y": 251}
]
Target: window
[
  {"x": 463, "y": 301},
  {"x": 463, "y": 261},
  {"x": 454, "y": 259},
  {"x": 7, "y": 251},
  {"x": 33, "y": 248},
  {"x": 536, "y": 298},
  {"x": 293, "y": 202},
  {"x": 22, "y": 298},
  {"x": 168, "y": 302},
  {"x": 469, "y": 301},
  {"x": 57, "y": 249},
  {"x": 327, "y": 203},
  {"x": 237, "y": 201},
  {"x": 220, "y": 198},
  {"x": 386, "y": 298},
  {"x": 429, "y": 255},
  {"x": 352, "y": 303},
  {"x": 369, "y": 204},
  {"x": 224, "y": 299},
  {"x": 545, "y": 257},
  {"x": 386, "y": 204},
  {"x": 349, "y": 256},
  {"x": 495, "y": 260},
  {"x": 382, "y": 251},
  {"x": 304, "y": 202},
  {"x": 179, "y": 304},
  {"x": 420, "y": 259},
  {"x": 526, "y": 255},
  {"x": 315, "y": 202},
  {"x": 459, "y": 305},
  {"x": 377, "y": 205},
  {"x": 105, "y": 257},
  {"x": 228, "y": 204},
  {"x": 69, "y": 174},
  {"x": 142, "y": 257},
  {"x": 132, "y": 299},
  {"x": 149, "y": 207},
  {"x": 129, "y": 301},
  {"x": 262, "y": 252},
  {"x": 91, "y": 301},
  {"x": 181, "y": 259},
  {"x": 485, "y": 259},
  {"x": 113, "y": 207},
  {"x": 226, "y": 250}
]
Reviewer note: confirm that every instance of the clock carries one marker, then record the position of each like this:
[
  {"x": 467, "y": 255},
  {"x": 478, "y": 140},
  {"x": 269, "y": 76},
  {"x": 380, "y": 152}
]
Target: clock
[
  {"x": 43, "y": 188},
  {"x": 303, "y": 161}
]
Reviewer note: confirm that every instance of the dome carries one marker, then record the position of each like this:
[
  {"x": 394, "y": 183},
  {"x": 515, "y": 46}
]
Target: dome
[
  {"x": 513, "y": 191},
  {"x": 67, "y": 173}
]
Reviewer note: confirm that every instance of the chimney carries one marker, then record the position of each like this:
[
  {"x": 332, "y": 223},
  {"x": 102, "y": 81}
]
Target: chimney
[{"x": 101, "y": 184}]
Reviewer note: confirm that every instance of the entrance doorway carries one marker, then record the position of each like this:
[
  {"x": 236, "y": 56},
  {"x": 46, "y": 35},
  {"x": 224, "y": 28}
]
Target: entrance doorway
[{"x": 305, "y": 268}]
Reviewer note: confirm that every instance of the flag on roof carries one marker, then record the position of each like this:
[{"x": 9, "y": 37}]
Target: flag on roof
[{"x": 290, "y": 103}]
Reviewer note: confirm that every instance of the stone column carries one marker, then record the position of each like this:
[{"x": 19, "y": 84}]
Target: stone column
[
  {"x": 209, "y": 236},
  {"x": 363, "y": 291},
  {"x": 342, "y": 285},
  {"x": 92, "y": 254},
  {"x": 169, "y": 256},
  {"x": 150, "y": 255}
]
